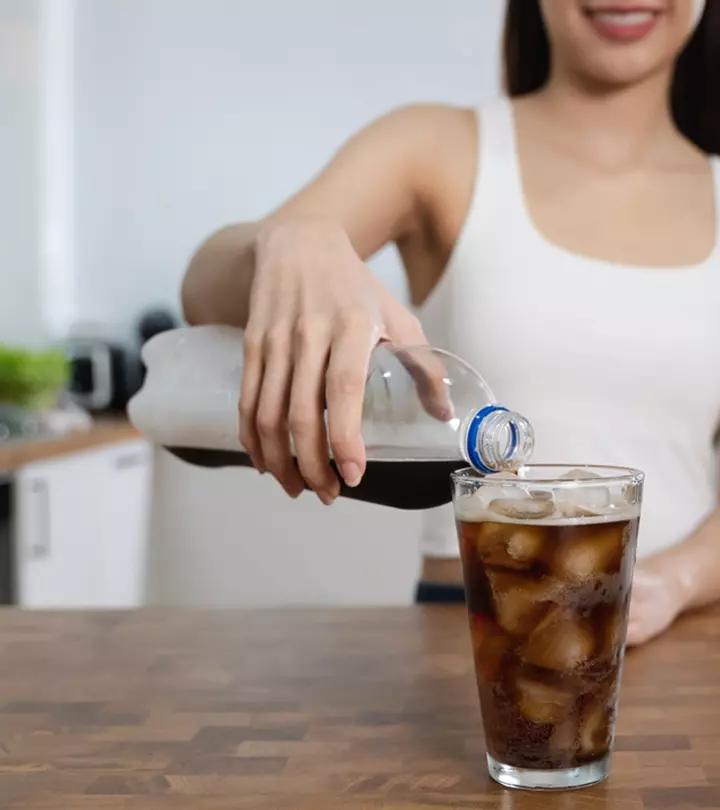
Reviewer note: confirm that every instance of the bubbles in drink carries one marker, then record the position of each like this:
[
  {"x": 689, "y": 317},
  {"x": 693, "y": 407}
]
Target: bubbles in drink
[{"x": 548, "y": 592}]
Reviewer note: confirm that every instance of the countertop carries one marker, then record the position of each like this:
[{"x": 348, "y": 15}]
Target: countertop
[
  {"x": 313, "y": 710},
  {"x": 16, "y": 454}
]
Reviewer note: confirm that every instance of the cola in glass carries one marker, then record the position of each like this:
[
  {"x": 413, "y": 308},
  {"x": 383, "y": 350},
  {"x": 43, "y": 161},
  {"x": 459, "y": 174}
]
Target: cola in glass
[{"x": 548, "y": 559}]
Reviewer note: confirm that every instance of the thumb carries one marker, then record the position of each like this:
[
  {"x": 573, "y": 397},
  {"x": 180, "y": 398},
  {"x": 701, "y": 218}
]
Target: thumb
[
  {"x": 424, "y": 365},
  {"x": 429, "y": 375}
]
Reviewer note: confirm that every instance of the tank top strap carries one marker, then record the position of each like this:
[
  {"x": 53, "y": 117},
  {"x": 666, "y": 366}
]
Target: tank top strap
[
  {"x": 715, "y": 166},
  {"x": 499, "y": 181}
]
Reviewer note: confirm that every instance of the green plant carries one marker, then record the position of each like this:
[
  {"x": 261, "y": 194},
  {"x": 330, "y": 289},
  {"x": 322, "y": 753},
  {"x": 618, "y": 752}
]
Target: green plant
[{"x": 31, "y": 379}]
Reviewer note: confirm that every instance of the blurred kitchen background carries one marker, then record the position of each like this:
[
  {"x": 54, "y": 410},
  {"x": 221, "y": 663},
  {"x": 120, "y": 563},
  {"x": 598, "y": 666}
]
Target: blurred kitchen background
[{"x": 129, "y": 130}]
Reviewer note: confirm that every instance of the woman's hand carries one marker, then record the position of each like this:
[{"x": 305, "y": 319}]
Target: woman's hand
[
  {"x": 658, "y": 598},
  {"x": 316, "y": 313}
]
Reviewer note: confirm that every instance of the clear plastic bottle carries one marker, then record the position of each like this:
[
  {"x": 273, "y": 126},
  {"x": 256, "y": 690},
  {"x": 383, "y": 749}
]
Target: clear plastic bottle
[{"x": 425, "y": 414}]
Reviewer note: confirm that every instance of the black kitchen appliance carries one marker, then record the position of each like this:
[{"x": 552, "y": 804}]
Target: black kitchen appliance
[{"x": 104, "y": 376}]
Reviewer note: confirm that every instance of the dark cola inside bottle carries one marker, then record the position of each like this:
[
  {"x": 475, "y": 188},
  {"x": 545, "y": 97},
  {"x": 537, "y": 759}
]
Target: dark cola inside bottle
[{"x": 426, "y": 413}]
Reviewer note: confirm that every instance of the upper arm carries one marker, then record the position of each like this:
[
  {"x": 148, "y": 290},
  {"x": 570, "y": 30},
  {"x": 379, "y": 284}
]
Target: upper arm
[
  {"x": 402, "y": 179},
  {"x": 377, "y": 184}
]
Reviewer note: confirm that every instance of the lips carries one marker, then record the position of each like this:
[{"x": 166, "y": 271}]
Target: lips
[{"x": 623, "y": 24}]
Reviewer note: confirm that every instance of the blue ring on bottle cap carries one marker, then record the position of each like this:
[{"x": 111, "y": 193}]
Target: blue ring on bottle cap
[{"x": 472, "y": 434}]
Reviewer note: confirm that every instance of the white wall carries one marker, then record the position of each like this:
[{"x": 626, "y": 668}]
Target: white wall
[
  {"x": 37, "y": 292},
  {"x": 20, "y": 319},
  {"x": 192, "y": 113}
]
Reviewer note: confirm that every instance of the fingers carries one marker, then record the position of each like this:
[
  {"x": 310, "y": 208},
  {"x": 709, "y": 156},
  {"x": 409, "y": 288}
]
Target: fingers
[
  {"x": 429, "y": 374},
  {"x": 272, "y": 410},
  {"x": 345, "y": 392},
  {"x": 635, "y": 625},
  {"x": 307, "y": 425},
  {"x": 426, "y": 368},
  {"x": 250, "y": 394},
  {"x": 641, "y": 629},
  {"x": 650, "y": 611}
]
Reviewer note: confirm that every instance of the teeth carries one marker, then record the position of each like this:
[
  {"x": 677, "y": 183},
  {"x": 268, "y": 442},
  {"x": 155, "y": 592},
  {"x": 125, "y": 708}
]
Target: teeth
[{"x": 624, "y": 18}]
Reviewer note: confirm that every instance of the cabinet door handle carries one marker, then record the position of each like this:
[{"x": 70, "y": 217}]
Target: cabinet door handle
[
  {"x": 40, "y": 543},
  {"x": 129, "y": 460}
]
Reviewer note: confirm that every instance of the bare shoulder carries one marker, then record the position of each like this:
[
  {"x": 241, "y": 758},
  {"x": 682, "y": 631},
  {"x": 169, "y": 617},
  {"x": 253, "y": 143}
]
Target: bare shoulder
[
  {"x": 430, "y": 130},
  {"x": 444, "y": 144},
  {"x": 433, "y": 118},
  {"x": 448, "y": 156},
  {"x": 405, "y": 177}
]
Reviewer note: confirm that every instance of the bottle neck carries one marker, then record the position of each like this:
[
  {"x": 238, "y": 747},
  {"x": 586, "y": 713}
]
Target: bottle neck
[{"x": 497, "y": 440}]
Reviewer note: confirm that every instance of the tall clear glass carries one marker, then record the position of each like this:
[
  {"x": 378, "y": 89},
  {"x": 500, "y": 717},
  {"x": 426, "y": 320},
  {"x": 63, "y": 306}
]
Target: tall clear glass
[{"x": 548, "y": 556}]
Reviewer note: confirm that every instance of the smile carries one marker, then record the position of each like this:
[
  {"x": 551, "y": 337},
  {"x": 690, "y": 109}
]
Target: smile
[{"x": 623, "y": 24}]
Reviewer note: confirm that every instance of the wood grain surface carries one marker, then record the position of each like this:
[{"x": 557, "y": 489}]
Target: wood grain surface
[
  {"x": 313, "y": 710},
  {"x": 16, "y": 454}
]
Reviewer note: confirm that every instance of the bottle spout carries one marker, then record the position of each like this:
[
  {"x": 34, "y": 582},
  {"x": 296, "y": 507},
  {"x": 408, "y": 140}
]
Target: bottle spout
[{"x": 498, "y": 440}]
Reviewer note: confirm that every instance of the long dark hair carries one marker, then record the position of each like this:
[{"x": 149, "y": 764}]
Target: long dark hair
[{"x": 695, "y": 94}]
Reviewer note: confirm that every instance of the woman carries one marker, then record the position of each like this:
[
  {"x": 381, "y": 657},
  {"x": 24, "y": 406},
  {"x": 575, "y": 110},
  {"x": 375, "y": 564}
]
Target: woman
[{"x": 564, "y": 241}]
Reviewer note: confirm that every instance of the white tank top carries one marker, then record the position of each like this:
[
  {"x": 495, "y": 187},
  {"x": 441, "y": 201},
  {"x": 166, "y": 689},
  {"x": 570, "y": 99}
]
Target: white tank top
[{"x": 612, "y": 364}]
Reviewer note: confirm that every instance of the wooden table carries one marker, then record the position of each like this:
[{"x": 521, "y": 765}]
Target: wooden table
[{"x": 317, "y": 710}]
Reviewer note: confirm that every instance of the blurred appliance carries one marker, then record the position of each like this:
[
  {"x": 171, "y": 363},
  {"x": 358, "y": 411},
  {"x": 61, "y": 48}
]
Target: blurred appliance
[
  {"x": 152, "y": 322},
  {"x": 105, "y": 372},
  {"x": 155, "y": 321},
  {"x": 104, "y": 375}
]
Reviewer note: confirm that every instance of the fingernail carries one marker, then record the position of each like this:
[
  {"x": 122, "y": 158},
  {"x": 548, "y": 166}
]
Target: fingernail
[
  {"x": 326, "y": 498},
  {"x": 351, "y": 474}
]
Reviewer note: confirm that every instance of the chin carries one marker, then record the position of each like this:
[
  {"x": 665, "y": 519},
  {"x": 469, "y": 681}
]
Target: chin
[
  {"x": 616, "y": 71},
  {"x": 617, "y": 42}
]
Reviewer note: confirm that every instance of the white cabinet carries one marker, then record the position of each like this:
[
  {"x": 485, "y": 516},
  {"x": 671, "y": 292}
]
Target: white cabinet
[
  {"x": 126, "y": 525},
  {"x": 82, "y": 528}
]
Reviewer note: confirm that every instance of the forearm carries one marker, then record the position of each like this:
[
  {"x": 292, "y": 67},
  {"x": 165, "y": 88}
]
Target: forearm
[
  {"x": 217, "y": 283},
  {"x": 695, "y": 564}
]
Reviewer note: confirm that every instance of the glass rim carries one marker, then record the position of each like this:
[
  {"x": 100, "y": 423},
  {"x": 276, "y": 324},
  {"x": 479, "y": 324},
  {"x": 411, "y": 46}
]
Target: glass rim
[{"x": 618, "y": 475}]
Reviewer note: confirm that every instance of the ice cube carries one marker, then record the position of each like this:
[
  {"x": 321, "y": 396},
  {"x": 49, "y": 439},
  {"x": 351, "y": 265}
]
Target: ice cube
[
  {"x": 563, "y": 739},
  {"x": 598, "y": 550},
  {"x": 540, "y": 702},
  {"x": 526, "y": 544},
  {"x": 519, "y": 602},
  {"x": 560, "y": 641},
  {"x": 594, "y": 731},
  {"x": 485, "y": 536},
  {"x": 490, "y": 644},
  {"x": 526, "y": 508},
  {"x": 579, "y": 474},
  {"x": 504, "y": 545},
  {"x": 613, "y": 632},
  {"x": 490, "y": 541},
  {"x": 583, "y": 500}
]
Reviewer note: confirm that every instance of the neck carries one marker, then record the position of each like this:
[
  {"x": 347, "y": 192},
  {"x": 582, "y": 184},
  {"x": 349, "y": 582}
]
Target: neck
[{"x": 618, "y": 124}]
